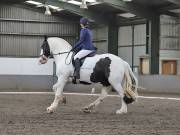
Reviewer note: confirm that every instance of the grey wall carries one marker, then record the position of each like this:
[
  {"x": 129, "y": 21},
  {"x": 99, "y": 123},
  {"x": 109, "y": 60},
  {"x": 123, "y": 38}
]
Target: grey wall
[
  {"x": 169, "y": 41},
  {"x": 26, "y": 83},
  {"x": 22, "y": 30},
  {"x": 159, "y": 83},
  {"x": 100, "y": 38},
  {"x": 127, "y": 40},
  {"x": 169, "y": 33},
  {"x": 147, "y": 83}
]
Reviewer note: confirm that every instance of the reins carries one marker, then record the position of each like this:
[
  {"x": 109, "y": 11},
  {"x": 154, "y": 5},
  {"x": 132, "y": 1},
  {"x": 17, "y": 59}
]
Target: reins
[
  {"x": 66, "y": 56},
  {"x": 61, "y": 53}
]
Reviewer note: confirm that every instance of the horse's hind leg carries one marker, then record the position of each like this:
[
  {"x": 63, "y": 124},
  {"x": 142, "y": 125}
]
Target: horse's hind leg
[
  {"x": 103, "y": 95},
  {"x": 120, "y": 91}
]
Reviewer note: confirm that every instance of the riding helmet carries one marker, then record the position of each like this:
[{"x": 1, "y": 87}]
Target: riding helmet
[{"x": 84, "y": 21}]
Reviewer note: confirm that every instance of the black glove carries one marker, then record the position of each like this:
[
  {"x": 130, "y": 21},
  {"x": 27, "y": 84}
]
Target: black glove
[{"x": 76, "y": 49}]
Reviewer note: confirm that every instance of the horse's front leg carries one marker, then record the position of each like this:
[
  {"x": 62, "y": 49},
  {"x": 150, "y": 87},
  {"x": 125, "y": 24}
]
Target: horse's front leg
[
  {"x": 55, "y": 86},
  {"x": 58, "y": 94}
]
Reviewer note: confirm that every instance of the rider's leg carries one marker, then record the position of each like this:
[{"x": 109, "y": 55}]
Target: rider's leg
[
  {"x": 77, "y": 68},
  {"x": 82, "y": 54},
  {"x": 77, "y": 58}
]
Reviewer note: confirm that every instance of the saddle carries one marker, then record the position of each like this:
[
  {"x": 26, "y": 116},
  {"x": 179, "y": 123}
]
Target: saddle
[{"x": 81, "y": 61}]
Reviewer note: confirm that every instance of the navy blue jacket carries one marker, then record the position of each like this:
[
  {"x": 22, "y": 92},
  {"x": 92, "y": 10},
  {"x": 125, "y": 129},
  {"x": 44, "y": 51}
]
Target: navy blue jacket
[{"x": 85, "y": 41}]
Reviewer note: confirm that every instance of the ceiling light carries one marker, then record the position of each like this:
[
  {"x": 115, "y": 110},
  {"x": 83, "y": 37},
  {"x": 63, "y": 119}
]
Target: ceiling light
[
  {"x": 74, "y": 2},
  {"x": 47, "y": 12},
  {"x": 83, "y": 5},
  {"x": 90, "y": 0},
  {"x": 127, "y": 15},
  {"x": 59, "y": 9},
  {"x": 53, "y": 7},
  {"x": 33, "y": 2},
  {"x": 175, "y": 10},
  {"x": 127, "y": 0}
]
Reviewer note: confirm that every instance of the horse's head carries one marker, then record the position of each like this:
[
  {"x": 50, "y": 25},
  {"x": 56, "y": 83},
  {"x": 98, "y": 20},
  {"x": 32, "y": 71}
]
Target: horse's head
[{"x": 45, "y": 52}]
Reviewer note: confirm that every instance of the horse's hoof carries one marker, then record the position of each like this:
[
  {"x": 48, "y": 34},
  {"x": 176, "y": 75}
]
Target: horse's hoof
[
  {"x": 87, "y": 110},
  {"x": 50, "y": 110},
  {"x": 64, "y": 100},
  {"x": 121, "y": 112}
]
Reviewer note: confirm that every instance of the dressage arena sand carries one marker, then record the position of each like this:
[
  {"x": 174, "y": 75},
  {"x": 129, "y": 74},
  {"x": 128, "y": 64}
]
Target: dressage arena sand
[{"x": 26, "y": 115}]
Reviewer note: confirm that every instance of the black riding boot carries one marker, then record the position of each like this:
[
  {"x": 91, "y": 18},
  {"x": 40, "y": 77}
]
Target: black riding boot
[{"x": 76, "y": 70}]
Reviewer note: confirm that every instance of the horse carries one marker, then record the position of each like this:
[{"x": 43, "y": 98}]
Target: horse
[{"x": 107, "y": 69}]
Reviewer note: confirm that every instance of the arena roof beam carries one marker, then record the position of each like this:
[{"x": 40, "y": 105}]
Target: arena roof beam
[
  {"x": 177, "y": 2},
  {"x": 131, "y": 7},
  {"x": 77, "y": 10},
  {"x": 11, "y": 2},
  {"x": 171, "y": 14},
  {"x": 131, "y": 22},
  {"x": 167, "y": 8}
]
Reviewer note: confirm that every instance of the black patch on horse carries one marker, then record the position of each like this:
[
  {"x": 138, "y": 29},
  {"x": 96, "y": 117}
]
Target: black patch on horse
[
  {"x": 101, "y": 72},
  {"x": 128, "y": 100}
]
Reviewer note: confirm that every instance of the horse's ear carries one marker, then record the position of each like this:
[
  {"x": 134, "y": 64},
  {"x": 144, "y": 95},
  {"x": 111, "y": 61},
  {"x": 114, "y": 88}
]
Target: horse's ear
[{"x": 45, "y": 38}]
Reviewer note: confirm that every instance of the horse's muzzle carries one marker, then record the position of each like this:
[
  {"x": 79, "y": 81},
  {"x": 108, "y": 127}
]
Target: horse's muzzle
[{"x": 43, "y": 59}]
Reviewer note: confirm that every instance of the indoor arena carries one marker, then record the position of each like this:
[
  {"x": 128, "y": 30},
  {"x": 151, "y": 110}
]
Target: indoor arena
[{"x": 89, "y": 67}]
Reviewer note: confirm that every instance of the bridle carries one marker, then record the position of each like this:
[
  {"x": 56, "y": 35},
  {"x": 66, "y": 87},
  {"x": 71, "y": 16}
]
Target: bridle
[{"x": 45, "y": 57}]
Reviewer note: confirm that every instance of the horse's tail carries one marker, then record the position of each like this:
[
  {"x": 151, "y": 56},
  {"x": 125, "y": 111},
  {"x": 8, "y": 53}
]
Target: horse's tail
[{"x": 131, "y": 84}]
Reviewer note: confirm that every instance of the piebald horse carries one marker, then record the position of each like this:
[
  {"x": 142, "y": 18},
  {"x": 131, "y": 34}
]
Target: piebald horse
[{"x": 107, "y": 69}]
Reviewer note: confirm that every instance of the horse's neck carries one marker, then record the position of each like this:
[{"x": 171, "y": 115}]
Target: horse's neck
[
  {"x": 58, "y": 45},
  {"x": 57, "y": 49}
]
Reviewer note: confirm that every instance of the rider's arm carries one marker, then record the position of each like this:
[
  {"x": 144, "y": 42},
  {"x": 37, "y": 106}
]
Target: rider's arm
[{"x": 82, "y": 38}]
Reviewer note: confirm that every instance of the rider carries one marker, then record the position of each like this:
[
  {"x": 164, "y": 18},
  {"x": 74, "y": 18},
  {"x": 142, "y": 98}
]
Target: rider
[{"x": 84, "y": 45}]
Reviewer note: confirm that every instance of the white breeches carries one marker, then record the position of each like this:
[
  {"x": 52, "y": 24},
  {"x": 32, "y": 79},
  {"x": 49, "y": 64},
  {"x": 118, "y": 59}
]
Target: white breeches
[{"x": 82, "y": 54}]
